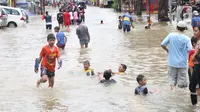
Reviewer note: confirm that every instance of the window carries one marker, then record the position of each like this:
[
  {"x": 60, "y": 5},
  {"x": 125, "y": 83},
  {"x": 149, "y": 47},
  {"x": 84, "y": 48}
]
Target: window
[
  {"x": 24, "y": 13},
  {"x": 3, "y": 13},
  {"x": 11, "y": 11},
  {"x": 8, "y": 11},
  {"x": 15, "y": 12}
]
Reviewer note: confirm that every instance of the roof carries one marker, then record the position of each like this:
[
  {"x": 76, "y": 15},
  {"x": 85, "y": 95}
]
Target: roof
[{"x": 10, "y": 7}]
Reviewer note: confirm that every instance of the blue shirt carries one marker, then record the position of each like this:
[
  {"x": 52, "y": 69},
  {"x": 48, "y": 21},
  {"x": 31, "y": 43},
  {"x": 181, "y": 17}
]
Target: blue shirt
[
  {"x": 48, "y": 19},
  {"x": 127, "y": 19},
  {"x": 61, "y": 38},
  {"x": 196, "y": 21},
  {"x": 178, "y": 46}
]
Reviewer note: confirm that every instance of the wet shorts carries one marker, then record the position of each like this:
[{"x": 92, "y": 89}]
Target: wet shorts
[
  {"x": 127, "y": 28},
  {"x": 62, "y": 46},
  {"x": 48, "y": 27},
  {"x": 44, "y": 71},
  {"x": 178, "y": 76},
  {"x": 84, "y": 41},
  {"x": 60, "y": 22}
]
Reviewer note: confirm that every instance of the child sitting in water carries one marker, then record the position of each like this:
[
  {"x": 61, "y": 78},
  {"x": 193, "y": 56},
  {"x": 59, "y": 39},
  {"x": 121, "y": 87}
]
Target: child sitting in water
[
  {"x": 120, "y": 22},
  {"x": 107, "y": 75},
  {"x": 141, "y": 89},
  {"x": 89, "y": 71},
  {"x": 121, "y": 70},
  {"x": 149, "y": 23}
]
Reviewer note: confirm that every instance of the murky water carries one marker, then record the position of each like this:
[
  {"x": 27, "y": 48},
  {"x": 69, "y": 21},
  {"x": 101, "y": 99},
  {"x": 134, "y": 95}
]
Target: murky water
[{"x": 74, "y": 92}]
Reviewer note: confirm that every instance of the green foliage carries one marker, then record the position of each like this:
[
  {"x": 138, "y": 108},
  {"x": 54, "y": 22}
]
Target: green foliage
[{"x": 115, "y": 5}]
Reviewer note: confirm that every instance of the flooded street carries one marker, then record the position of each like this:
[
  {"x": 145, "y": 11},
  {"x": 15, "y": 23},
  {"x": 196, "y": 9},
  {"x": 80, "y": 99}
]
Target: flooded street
[{"x": 74, "y": 91}]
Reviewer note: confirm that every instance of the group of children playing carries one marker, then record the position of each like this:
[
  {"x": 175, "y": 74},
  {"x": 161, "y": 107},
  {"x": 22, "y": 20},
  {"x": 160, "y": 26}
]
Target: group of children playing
[
  {"x": 105, "y": 77},
  {"x": 149, "y": 23},
  {"x": 50, "y": 53}
]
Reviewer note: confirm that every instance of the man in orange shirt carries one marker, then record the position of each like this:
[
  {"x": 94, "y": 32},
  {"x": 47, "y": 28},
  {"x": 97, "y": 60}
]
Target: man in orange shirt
[{"x": 48, "y": 56}]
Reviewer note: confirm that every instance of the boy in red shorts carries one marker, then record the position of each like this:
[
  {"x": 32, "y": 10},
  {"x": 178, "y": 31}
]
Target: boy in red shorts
[{"x": 48, "y": 56}]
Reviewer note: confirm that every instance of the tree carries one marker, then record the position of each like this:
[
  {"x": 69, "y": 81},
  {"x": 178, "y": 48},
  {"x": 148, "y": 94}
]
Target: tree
[
  {"x": 163, "y": 10},
  {"x": 138, "y": 7}
]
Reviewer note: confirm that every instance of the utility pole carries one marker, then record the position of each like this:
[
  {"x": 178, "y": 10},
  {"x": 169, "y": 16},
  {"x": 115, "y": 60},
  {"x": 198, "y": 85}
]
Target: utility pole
[
  {"x": 14, "y": 3},
  {"x": 149, "y": 8},
  {"x": 10, "y": 3},
  {"x": 170, "y": 10},
  {"x": 129, "y": 6},
  {"x": 42, "y": 6}
]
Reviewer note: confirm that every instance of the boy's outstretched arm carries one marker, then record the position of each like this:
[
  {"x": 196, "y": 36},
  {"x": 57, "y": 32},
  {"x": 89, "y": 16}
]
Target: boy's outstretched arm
[
  {"x": 100, "y": 75},
  {"x": 145, "y": 91},
  {"x": 59, "y": 62},
  {"x": 37, "y": 62}
]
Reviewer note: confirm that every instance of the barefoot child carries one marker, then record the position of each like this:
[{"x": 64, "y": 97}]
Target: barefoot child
[
  {"x": 149, "y": 22},
  {"x": 48, "y": 56}
]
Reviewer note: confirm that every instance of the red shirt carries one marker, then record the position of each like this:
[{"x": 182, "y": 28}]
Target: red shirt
[
  {"x": 49, "y": 57},
  {"x": 191, "y": 53}
]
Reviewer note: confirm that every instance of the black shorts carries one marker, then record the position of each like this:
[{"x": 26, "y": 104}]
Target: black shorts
[
  {"x": 127, "y": 28},
  {"x": 44, "y": 71},
  {"x": 119, "y": 26},
  {"x": 60, "y": 22},
  {"x": 48, "y": 27}
]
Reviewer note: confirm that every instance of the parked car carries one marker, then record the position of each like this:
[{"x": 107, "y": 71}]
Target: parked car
[
  {"x": 3, "y": 18},
  {"x": 15, "y": 16}
]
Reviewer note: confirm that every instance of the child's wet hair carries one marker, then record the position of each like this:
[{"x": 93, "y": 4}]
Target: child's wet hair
[
  {"x": 107, "y": 74},
  {"x": 194, "y": 41},
  {"x": 124, "y": 66},
  {"x": 86, "y": 62},
  {"x": 140, "y": 78},
  {"x": 57, "y": 28},
  {"x": 51, "y": 36},
  {"x": 119, "y": 17}
]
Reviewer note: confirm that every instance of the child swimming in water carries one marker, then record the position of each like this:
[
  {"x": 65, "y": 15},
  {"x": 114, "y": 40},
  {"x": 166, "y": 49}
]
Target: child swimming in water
[
  {"x": 121, "y": 70},
  {"x": 142, "y": 81},
  {"x": 106, "y": 75},
  {"x": 89, "y": 71}
]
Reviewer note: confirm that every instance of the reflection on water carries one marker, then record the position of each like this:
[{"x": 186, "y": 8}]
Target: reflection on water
[
  {"x": 49, "y": 102},
  {"x": 74, "y": 91},
  {"x": 84, "y": 54}
]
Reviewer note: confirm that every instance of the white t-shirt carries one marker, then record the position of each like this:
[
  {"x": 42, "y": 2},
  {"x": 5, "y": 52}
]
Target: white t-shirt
[{"x": 71, "y": 16}]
